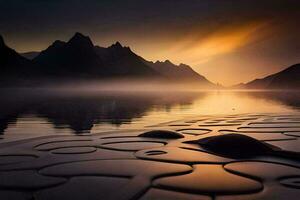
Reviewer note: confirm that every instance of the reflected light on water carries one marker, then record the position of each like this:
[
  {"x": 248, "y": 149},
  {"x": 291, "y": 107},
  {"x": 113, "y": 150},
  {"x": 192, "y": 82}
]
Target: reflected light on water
[{"x": 56, "y": 114}]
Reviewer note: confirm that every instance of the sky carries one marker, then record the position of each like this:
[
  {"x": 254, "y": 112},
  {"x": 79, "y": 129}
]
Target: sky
[{"x": 228, "y": 41}]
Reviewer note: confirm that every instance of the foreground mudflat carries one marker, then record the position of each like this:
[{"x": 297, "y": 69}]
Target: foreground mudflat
[{"x": 177, "y": 163}]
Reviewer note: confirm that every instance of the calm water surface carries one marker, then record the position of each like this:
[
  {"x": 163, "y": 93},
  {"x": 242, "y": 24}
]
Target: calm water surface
[{"x": 44, "y": 112}]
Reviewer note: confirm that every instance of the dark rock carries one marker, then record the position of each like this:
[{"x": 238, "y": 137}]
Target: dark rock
[
  {"x": 162, "y": 134},
  {"x": 234, "y": 146}
]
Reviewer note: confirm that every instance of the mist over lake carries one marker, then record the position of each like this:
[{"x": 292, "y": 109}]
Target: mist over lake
[{"x": 80, "y": 110}]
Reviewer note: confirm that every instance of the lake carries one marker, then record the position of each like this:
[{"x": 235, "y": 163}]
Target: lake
[{"x": 50, "y": 111}]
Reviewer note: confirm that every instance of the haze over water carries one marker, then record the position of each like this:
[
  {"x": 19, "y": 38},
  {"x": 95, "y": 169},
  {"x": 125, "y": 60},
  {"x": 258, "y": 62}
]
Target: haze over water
[{"x": 47, "y": 112}]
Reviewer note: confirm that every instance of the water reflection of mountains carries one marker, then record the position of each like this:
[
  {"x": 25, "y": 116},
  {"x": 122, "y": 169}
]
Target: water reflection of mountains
[{"x": 81, "y": 111}]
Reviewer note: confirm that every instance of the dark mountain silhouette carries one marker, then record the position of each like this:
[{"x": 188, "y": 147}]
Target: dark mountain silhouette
[
  {"x": 12, "y": 65},
  {"x": 121, "y": 61},
  {"x": 79, "y": 58},
  {"x": 288, "y": 78},
  {"x": 30, "y": 55},
  {"x": 181, "y": 72},
  {"x": 73, "y": 58}
]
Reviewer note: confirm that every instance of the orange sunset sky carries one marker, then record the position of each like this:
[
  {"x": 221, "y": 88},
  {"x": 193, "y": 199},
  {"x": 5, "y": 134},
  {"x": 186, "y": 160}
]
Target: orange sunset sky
[{"x": 227, "y": 41}]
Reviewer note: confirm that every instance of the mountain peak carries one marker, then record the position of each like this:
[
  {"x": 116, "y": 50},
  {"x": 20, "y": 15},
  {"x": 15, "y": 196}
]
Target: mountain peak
[
  {"x": 168, "y": 62},
  {"x": 79, "y": 39},
  {"x": 183, "y": 65},
  {"x": 78, "y": 34},
  {"x": 58, "y": 43},
  {"x": 117, "y": 45}
]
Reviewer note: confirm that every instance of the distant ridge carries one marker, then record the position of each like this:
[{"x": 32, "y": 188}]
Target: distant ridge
[
  {"x": 181, "y": 71},
  {"x": 12, "y": 64},
  {"x": 79, "y": 58},
  {"x": 288, "y": 78}
]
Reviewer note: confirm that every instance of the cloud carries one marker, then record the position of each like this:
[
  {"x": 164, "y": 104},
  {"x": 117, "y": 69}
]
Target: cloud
[{"x": 198, "y": 48}]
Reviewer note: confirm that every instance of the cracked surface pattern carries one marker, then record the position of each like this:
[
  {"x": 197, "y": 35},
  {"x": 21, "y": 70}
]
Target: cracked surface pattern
[{"x": 157, "y": 162}]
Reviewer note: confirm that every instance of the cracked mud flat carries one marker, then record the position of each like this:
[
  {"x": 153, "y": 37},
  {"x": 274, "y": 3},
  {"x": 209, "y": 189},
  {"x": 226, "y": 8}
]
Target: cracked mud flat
[{"x": 138, "y": 164}]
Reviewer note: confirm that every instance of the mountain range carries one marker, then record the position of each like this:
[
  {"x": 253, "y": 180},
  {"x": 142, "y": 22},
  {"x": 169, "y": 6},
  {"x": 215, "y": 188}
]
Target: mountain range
[
  {"x": 288, "y": 78},
  {"x": 80, "y": 58}
]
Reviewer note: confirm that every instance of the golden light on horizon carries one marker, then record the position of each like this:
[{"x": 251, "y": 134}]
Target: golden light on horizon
[
  {"x": 217, "y": 53},
  {"x": 220, "y": 43},
  {"x": 197, "y": 48}
]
